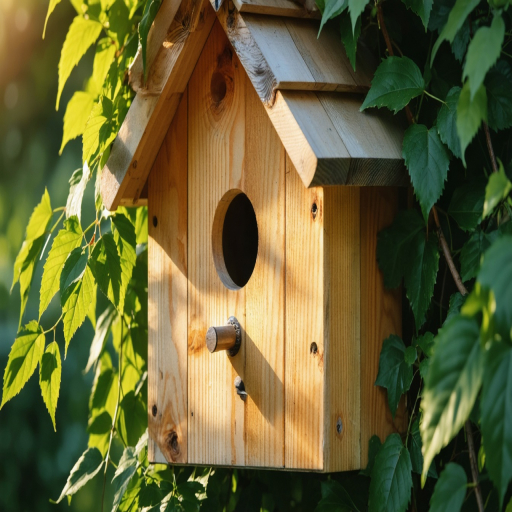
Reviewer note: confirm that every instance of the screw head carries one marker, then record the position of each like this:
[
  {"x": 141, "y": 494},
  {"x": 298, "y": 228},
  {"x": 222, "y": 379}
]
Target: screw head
[{"x": 339, "y": 426}]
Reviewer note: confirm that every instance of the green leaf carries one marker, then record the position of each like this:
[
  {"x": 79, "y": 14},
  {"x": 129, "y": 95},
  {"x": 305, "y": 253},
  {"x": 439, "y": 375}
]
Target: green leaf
[
  {"x": 456, "y": 302},
  {"x": 99, "y": 429},
  {"x": 395, "y": 374},
  {"x": 332, "y": 9},
  {"x": 105, "y": 389},
  {"x": 356, "y": 8},
  {"x": 426, "y": 344},
  {"x": 498, "y": 187},
  {"x": 26, "y": 352},
  {"x": 125, "y": 470},
  {"x": 86, "y": 468},
  {"x": 106, "y": 267},
  {"x": 496, "y": 415},
  {"x": 467, "y": 204},
  {"x": 105, "y": 53},
  {"x": 396, "y": 82},
  {"x": 335, "y": 498},
  {"x": 461, "y": 41},
  {"x": 77, "y": 184},
  {"x": 472, "y": 253},
  {"x": 40, "y": 218},
  {"x": 427, "y": 160},
  {"x": 100, "y": 335},
  {"x": 496, "y": 274},
  {"x": 120, "y": 23},
  {"x": 81, "y": 35},
  {"x": 350, "y": 38},
  {"x": 420, "y": 275},
  {"x": 66, "y": 240},
  {"x": 483, "y": 52},
  {"x": 422, "y": 8},
  {"x": 391, "y": 484},
  {"x": 99, "y": 131},
  {"x": 374, "y": 445},
  {"x": 394, "y": 244},
  {"x": 410, "y": 355},
  {"x": 470, "y": 114},
  {"x": 498, "y": 84},
  {"x": 51, "y": 8},
  {"x": 457, "y": 17},
  {"x": 447, "y": 122},
  {"x": 132, "y": 419},
  {"x": 415, "y": 447},
  {"x": 149, "y": 15},
  {"x": 73, "y": 270},
  {"x": 452, "y": 385},
  {"x": 77, "y": 112},
  {"x": 49, "y": 378},
  {"x": 450, "y": 490}
]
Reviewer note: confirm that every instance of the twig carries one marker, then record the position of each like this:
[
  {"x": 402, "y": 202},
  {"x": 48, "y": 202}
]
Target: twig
[
  {"x": 474, "y": 466},
  {"x": 489, "y": 147}
]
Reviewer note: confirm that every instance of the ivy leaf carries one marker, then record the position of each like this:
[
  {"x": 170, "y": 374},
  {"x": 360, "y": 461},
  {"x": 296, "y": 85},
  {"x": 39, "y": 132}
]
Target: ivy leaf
[
  {"x": 125, "y": 470},
  {"x": 49, "y": 378},
  {"x": 99, "y": 428},
  {"x": 374, "y": 445},
  {"x": 426, "y": 344},
  {"x": 100, "y": 335},
  {"x": 66, "y": 240},
  {"x": 472, "y": 253},
  {"x": 86, "y": 468},
  {"x": 26, "y": 352},
  {"x": 420, "y": 275},
  {"x": 132, "y": 419},
  {"x": 335, "y": 498},
  {"x": 461, "y": 41},
  {"x": 395, "y": 374},
  {"x": 148, "y": 16},
  {"x": 396, "y": 82},
  {"x": 51, "y": 8},
  {"x": 498, "y": 187},
  {"x": 447, "y": 122},
  {"x": 456, "y": 302},
  {"x": 73, "y": 270},
  {"x": 496, "y": 415},
  {"x": 105, "y": 389},
  {"x": 422, "y": 8},
  {"x": 394, "y": 243},
  {"x": 451, "y": 385},
  {"x": 106, "y": 267},
  {"x": 99, "y": 131},
  {"x": 415, "y": 447},
  {"x": 77, "y": 112},
  {"x": 498, "y": 84},
  {"x": 332, "y": 8},
  {"x": 470, "y": 114},
  {"x": 450, "y": 490},
  {"x": 427, "y": 161},
  {"x": 350, "y": 38},
  {"x": 40, "y": 218},
  {"x": 81, "y": 35},
  {"x": 77, "y": 184},
  {"x": 105, "y": 52},
  {"x": 391, "y": 483},
  {"x": 356, "y": 7},
  {"x": 467, "y": 204},
  {"x": 483, "y": 52},
  {"x": 496, "y": 274},
  {"x": 456, "y": 18}
]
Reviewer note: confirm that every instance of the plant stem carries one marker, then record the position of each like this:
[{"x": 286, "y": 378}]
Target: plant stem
[
  {"x": 489, "y": 147},
  {"x": 474, "y": 466},
  {"x": 435, "y": 97}
]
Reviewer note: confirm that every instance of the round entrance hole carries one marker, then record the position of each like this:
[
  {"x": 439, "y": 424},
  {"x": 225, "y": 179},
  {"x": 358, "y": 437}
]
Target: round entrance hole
[{"x": 235, "y": 239}]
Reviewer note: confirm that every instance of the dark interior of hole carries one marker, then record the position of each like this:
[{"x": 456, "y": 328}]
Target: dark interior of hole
[{"x": 240, "y": 240}]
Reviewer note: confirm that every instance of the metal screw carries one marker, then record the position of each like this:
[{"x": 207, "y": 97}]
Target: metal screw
[
  {"x": 314, "y": 210},
  {"x": 240, "y": 388},
  {"x": 339, "y": 426},
  {"x": 313, "y": 348}
]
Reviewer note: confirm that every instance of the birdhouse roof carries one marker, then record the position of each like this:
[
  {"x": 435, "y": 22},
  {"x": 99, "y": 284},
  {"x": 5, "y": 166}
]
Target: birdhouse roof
[{"x": 305, "y": 82}]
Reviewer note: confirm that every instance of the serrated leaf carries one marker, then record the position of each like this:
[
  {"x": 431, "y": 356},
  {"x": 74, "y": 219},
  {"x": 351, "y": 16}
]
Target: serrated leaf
[
  {"x": 356, "y": 8},
  {"x": 99, "y": 429},
  {"x": 86, "y": 468},
  {"x": 498, "y": 187},
  {"x": 51, "y": 8},
  {"x": 451, "y": 385},
  {"x": 78, "y": 111},
  {"x": 461, "y": 41},
  {"x": 456, "y": 18},
  {"x": 456, "y": 302},
  {"x": 467, "y": 203},
  {"x": 104, "y": 392},
  {"x": 394, "y": 243},
  {"x": 447, "y": 122},
  {"x": 77, "y": 184},
  {"x": 483, "y": 52},
  {"x": 496, "y": 415},
  {"x": 410, "y": 355},
  {"x": 66, "y": 240},
  {"x": 120, "y": 23},
  {"x": 100, "y": 335},
  {"x": 422, "y": 8},
  {"x": 426, "y": 343},
  {"x": 414, "y": 447},
  {"x": 396, "y": 82},
  {"x": 73, "y": 270},
  {"x": 49, "y": 378},
  {"x": 391, "y": 483},
  {"x": 496, "y": 274},
  {"x": 498, "y": 84},
  {"x": 332, "y": 8},
  {"x": 132, "y": 419},
  {"x": 26, "y": 351},
  {"x": 81, "y": 35},
  {"x": 472, "y": 252},
  {"x": 148, "y": 16},
  {"x": 427, "y": 161},
  {"x": 395, "y": 374},
  {"x": 374, "y": 445},
  {"x": 420, "y": 275},
  {"x": 99, "y": 131},
  {"x": 350, "y": 37},
  {"x": 470, "y": 114},
  {"x": 450, "y": 490},
  {"x": 125, "y": 470},
  {"x": 335, "y": 498},
  {"x": 105, "y": 52}
]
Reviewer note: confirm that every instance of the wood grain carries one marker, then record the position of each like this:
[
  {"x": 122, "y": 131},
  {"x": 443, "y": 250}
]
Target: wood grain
[
  {"x": 381, "y": 315},
  {"x": 167, "y": 296},
  {"x": 342, "y": 303},
  {"x": 287, "y": 8}
]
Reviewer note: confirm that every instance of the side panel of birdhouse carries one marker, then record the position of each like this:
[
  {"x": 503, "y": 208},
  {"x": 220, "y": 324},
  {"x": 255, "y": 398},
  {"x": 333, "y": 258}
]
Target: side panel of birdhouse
[{"x": 167, "y": 296}]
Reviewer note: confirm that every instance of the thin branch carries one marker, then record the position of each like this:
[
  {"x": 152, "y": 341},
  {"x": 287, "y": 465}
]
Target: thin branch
[
  {"x": 474, "y": 465},
  {"x": 489, "y": 147}
]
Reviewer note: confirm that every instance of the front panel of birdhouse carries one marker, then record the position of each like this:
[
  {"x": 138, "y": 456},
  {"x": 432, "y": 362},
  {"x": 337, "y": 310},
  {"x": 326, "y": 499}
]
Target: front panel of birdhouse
[{"x": 234, "y": 234}]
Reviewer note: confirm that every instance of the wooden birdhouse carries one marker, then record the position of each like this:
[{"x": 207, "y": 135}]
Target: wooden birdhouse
[{"x": 266, "y": 188}]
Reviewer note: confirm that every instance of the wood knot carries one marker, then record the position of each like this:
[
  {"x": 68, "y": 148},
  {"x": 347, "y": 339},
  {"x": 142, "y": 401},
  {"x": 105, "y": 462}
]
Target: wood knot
[
  {"x": 154, "y": 410},
  {"x": 172, "y": 444}
]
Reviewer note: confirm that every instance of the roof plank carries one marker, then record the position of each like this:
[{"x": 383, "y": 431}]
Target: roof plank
[{"x": 287, "y": 8}]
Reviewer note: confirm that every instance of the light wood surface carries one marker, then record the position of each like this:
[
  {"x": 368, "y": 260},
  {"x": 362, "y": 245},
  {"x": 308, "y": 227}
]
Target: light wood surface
[
  {"x": 381, "y": 315},
  {"x": 167, "y": 296},
  {"x": 277, "y": 8}
]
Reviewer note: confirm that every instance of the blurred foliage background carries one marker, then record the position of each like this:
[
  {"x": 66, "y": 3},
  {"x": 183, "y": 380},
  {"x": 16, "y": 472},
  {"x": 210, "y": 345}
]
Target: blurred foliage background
[{"x": 34, "y": 460}]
